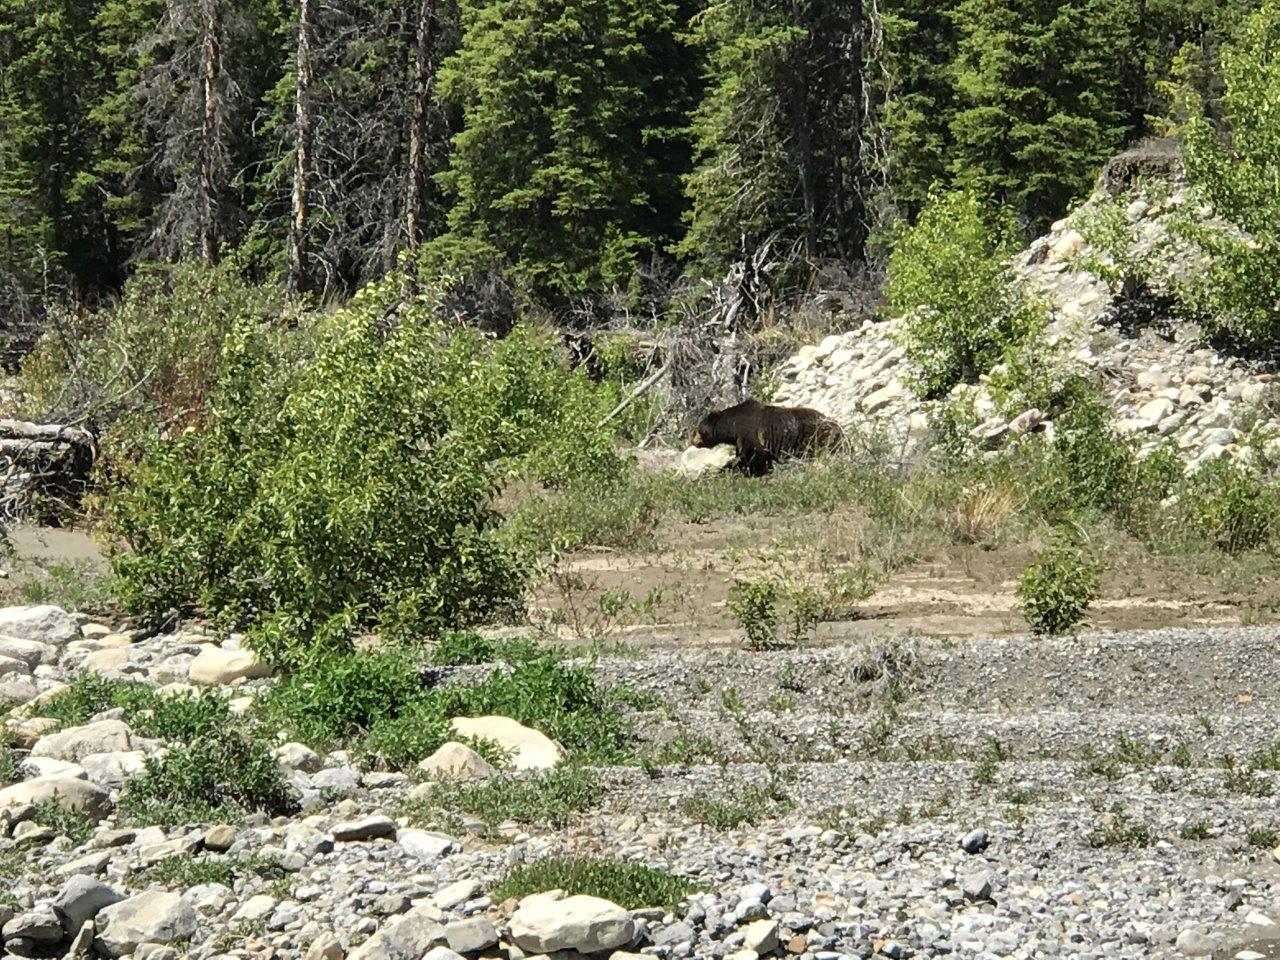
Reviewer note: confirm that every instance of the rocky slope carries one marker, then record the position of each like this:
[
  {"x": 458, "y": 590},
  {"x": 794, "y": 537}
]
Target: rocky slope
[
  {"x": 1020, "y": 798},
  {"x": 1164, "y": 380}
]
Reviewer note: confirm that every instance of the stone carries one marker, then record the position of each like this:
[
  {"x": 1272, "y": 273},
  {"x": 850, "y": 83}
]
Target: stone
[
  {"x": 761, "y": 936},
  {"x": 40, "y": 927},
  {"x": 31, "y": 652},
  {"x": 678, "y": 932},
  {"x": 444, "y": 953},
  {"x": 71, "y": 794},
  {"x": 49, "y": 767},
  {"x": 219, "y": 837},
  {"x": 877, "y": 400},
  {"x": 325, "y": 947},
  {"x": 1153, "y": 411},
  {"x": 471, "y": 935},
  {"x": 44, "y": 624},
  {"x": 1027, "y": 422},
  {"x": 80, "y": 900},
  {"x": 13, "y": 668},
  {"x": 703, "y": 461},
  {"x": 529, "y": 749},
  {"x": 297, "y": 756},
  {"x": 425, "y": 845},
  {"x": 977, "y": 887},
  {"x": 255, "y": 909},
  {"x": 113, "y": 770},
  {"x": 75, "y": 743},
  {"x": 341, "y": 781},
  {"x": 407, "y": 937},
  {"x": 456, "y": 761},
  {"x": 367, "y": 828},
  {"x": 106, "y": 662},
  {"x": 456, "y": 894},
  {"x": 1193, "y": 943},
  {"x": 219, "y": 665},
  {"x": 1068, "y": 246},
  {"x": 974, "y": 842},
  {"x": 156, "y": 916},
  {"x": 546, "y": 922}
]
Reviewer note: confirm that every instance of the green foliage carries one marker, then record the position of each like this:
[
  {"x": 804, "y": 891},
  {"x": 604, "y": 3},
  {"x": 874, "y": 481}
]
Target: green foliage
[
  {"x": 1237, "y": 291},
  {"x": 1232, "y": 507},
  {"x": 631, "y": 886},
  {"x": 566, "y": 164},
  {"x": 464, "y": 647},
  {"x": 1120, "y": 830},
  {"x": 1041, "y": 98},
  {"x": 750, "y": 806},
  {"x": 950, "y": 287},
  {"x": 150, "y": 713},
  {"x": 354, "y": 490},
  {"x": 182, "y": 872},
  {"x": 1057, "y": 589},
  {"x": 546, "y": 799},
  {"x": 218, "y": 777},
  {"x": 752, "y": 605},
  {"x": 76, "y": 826}
]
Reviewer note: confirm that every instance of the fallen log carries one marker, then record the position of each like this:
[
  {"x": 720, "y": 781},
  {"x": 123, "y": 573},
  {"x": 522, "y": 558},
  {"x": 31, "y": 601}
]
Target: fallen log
[{"x": 44, "y": 468}]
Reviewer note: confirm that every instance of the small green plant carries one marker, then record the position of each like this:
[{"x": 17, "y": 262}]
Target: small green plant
[
  {"x": 630, "y": 885},
  {"x": 76, "y": 826},
  {"x": 753, "y": 606},
  {"x": 551, "y": 799},
  {"x": 1198, "y": 830},
  {"x": 1056, "y": 590},
  {"x": 1232, "y": 508},
  {"x": 752, "y": 805},
  {"x": 1120, "y": 830},
  {"x": 1263, "y": 837},
  {"x": 183, "y": 871}
]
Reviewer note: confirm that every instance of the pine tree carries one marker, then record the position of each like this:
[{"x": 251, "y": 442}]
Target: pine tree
[
  {"x": 566, "y": 159},
  {"x": 1040, "y": 85}
]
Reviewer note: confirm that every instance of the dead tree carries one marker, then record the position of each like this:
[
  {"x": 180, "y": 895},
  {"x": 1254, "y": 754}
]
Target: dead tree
[
  {"x": 304, "y": 137},
  {"x": 211, "y": 64},
  {"x": 424, "y": 73},
  {"x": 44, "y": 468}
]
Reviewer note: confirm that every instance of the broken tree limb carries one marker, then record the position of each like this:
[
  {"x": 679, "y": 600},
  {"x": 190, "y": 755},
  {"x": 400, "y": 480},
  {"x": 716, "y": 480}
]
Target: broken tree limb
[{"x": 641, "y": 388}]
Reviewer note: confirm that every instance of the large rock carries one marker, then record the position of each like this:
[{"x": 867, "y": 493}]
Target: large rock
[
  {"x": 31, "y": 652},
  {"x": 702, "y": 461},
  {"x": 105, "y": 663},
  {"x": 546, "y": 922},
  {"x": 13, "y": 667},
  {"x": 214, "y": 665},
  {"x": 367, "y": 828},
  {"x": 407, "y": 937},
  {"x": 157, "y": 916},
  {"x": 44, "y": 624},
  {"x": 529, "y": 749},
  {"x": 471, "y": 935},
  {"x": 80, "y": 900},
  {"x": 71, "y": 794},
  {"x": 425, "y": 845},
  {"x": 113, "y": 770},
  {"x": 39, "y": 927},
  {"x": 456, "y": 761},
  {"x": 76, "y": 743}
]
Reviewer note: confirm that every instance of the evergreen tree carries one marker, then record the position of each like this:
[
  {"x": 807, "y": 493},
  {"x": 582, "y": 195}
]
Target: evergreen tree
[
  {"x": 568, "y": 154},
  {"x": 1042, "y": 103}
]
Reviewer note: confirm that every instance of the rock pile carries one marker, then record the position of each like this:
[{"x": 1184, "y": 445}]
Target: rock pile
[{"x": 1164, "y": 381}]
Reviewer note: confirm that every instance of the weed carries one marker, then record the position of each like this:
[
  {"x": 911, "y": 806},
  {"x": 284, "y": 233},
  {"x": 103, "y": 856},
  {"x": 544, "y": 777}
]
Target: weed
[
  {"x": 183, "y": 871},
  {"x": 76, "y": 826},
  {"x": 1119, "y": 830},
  {"x": 1195, "y": 831},
  {"x": 630, "y": 885},
  {"x": 1056, "y": 590},
  {"x": 1262, "y": 837},
  {"x": 551, "y": 798},
  {"x": 750, "y": 806}
]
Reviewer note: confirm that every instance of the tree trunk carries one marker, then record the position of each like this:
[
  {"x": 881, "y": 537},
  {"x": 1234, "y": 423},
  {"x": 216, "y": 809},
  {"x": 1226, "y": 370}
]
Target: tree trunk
[
  {"x": 304, "y": 136},
  {"x": 856, "y": 215},
  {"x": 424, "y": 72},
  {"x": 210, "y": 66},
  {"x": 802, "y": 119}
]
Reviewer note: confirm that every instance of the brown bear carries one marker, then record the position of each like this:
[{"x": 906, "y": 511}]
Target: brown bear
[{"x": 764, "y": 433}]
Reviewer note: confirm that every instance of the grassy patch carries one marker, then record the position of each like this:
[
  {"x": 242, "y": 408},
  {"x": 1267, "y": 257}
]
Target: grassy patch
[
  {"x": 1262, "y": 837},
  {"x": 630, "y": 885},
  {"x": 187, "y": 871},
  {"x": 750, "y": 806},
  {"x": 1195, "y": 831},
  {"x": 549, "y": 799},
  {"x": 1120, "y": 830}
]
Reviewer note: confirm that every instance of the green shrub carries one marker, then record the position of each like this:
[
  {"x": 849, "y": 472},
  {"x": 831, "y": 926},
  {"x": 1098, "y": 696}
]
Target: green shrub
[
  {"x": 456, "y": 647},
  {"x": 187, "y": 871},
  {"x": 355, "y": 491},
  {"x": 214, "y": 778},
  {"x": 550, "y": 799},
  {"x": 1237, "y": 291},
  {"x": 76, "y": 826},
  {"x": 148, "y": 712},
  {"x": 749, "y": 806},
  {"x": 1057, "y": 589},
  {"x": 949, "y": 284},
  {"x": 1231, "y": 507},
  {"x": 753, "y": 606},
  {"x": 631, "y": 886}
]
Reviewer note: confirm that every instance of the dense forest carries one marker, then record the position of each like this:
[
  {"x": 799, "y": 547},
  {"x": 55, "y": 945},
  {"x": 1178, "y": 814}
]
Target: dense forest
[{"x": 574, "y": 149}]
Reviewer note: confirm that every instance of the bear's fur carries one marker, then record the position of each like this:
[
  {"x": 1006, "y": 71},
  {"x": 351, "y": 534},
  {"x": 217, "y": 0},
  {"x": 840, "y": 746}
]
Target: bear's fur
[{"x": 765, "y": 433}]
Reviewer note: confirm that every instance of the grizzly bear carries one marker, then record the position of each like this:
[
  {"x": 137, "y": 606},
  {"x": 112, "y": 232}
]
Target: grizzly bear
[{"x": 764, "y": 433}]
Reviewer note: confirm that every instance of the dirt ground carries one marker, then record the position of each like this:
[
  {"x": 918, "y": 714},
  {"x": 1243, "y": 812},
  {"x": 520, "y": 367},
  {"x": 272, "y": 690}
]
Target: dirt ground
[{"x": 675, "y": 595}]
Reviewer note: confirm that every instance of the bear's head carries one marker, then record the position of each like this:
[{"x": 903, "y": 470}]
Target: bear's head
[{"x": 704, "y": 434}]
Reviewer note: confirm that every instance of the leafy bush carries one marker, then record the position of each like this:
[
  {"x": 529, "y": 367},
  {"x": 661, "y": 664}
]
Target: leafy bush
[
  {"x": 1231, "y": 507},
  {"x": 1055, "y": 591},
  {"x": 72, "y": 824},
  {"x": 150, "y": 713},
  {"x": 750, "y": 806},
  {"x": 217, "y": 777},
  {"x": 950, "y": 286},
  {"x": 1238, "y": 289},
  {"x": 465, "y": 647},
  {"x": 355, "y": 491},
  {"x": 753, "y": 606},
  {"x": 632, "y": 886},
  {"x": 187, "y": 871}
]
